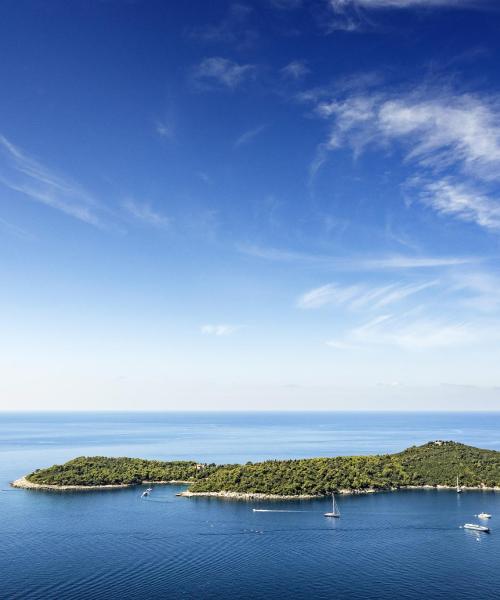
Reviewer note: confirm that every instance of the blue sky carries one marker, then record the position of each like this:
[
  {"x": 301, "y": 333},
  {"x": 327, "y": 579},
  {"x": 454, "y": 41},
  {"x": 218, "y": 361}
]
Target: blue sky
[{"x": 276, "y": 204}]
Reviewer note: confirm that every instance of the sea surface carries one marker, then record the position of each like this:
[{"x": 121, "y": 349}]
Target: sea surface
[{"x": 113, "y": 544}]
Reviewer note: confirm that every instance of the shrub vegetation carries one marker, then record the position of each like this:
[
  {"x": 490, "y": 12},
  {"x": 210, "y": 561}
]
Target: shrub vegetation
[{"x": 434, "y": 463}]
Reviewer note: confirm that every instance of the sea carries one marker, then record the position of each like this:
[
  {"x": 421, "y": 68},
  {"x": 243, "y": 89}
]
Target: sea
[{"x": 117, "y": 545}]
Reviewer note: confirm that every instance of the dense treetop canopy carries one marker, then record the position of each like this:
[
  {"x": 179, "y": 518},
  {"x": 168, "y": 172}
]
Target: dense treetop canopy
[{"x": 434, "y": 463}]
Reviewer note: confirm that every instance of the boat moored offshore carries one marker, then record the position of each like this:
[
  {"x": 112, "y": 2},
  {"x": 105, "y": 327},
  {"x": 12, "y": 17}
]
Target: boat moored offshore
[
  {"x": 476, "y": 527},
  {"x": 335, "y": 509}
]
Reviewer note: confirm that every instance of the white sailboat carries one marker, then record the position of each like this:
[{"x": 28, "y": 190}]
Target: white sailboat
[
  {"x": 459, "y": 489},
  {"x": 335, "y": 509}
]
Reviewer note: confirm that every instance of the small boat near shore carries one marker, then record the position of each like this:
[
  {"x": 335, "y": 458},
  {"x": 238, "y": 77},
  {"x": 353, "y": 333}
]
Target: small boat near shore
[
  {"x": 475, "y": 527},
  {"x": 335, "y": 509},
  {"x": 146, "y": 493}
]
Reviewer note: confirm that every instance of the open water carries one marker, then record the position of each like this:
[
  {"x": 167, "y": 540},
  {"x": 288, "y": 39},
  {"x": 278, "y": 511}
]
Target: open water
[{"x": 112, "y": 544}]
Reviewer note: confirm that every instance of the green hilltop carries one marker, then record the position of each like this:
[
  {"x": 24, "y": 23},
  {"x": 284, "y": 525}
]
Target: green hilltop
[
  {"x": 101, "y": 470},
  {"x": 433, "y": 464}
]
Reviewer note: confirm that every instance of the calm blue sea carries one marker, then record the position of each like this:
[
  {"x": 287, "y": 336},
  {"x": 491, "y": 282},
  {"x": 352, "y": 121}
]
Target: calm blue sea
[{"x": 115, "y": 545}]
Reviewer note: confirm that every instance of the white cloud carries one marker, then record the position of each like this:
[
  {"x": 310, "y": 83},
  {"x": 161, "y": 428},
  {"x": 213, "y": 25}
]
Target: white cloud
[
  {"x": 458, "y": 130},
  {"x": 21, "y": 173},
  {"x": 233, "y": 28},
  {"x": 296, "y": 69},
  {"x": 248, "y": 136},
  {"x": 164, "y": 130},
  {"x": 463, "y": 202},
  {"x": 222, "y": 72},
  {"x": 221, "y": 329},
  {"x": 340, "y": 5},
  {"x": 353, "y": 15},
  {"x": 417, "y": 333},
  {"x": 144, "y": 213},
  {"x": 12, "y": 229},
  {"x": 436, "y": 132},
  {"x": 479, "y": 290},
  {"x": 361, "y": 296},
  {"x": 327, "y": 294},
  {"x": 415, "y": 262},
  {"x": 396, "y": 261}
]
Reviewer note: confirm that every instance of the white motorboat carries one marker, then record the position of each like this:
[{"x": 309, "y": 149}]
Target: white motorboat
[
  {"x": 335, "y": 509},
  {"x": 476, "y": 527},
  {"x": 484, "y": 515}
]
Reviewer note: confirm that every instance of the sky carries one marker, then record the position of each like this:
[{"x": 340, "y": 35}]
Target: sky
[{"x": 255, "y": 205}]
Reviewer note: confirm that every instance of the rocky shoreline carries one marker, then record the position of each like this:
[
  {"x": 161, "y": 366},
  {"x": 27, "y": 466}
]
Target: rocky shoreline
[
  {"x": 260, "y": 496},
  {"x": 244, "y": 496},
  {"x": 24, "y": 483}
]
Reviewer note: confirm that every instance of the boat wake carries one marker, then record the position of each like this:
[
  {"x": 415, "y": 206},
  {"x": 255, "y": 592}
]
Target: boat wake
[
  {"x": 279, "y": 510},
  {"x": 163, "y": 501}
]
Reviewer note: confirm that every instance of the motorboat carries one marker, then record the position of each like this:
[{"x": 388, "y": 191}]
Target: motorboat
[{"x": 475, "y": 527}]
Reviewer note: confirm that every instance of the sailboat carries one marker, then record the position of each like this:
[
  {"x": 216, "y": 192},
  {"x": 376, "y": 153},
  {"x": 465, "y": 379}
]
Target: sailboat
[
  {"x": 335, "y": 509},
  {"x": 459, "y": 489}
]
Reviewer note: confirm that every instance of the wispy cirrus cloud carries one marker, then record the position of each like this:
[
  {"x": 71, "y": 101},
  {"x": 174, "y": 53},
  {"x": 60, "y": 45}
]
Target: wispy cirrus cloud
[
  {"x": 14, "y": 230},
  {"x": 387, "y": 4},
  {"x": 232, "y": 29},
  {"x": 412, "y": 332},
  {"x": 395, "y": 261},
  {"x": 437, "y": 132},
  {"x": 165, "y": 130},
  {"x": 361, "y": 296},
  {"x": 355, "y": 15},
  {"x": 479, "y": 290},
  {"x": 463, "y": 202},
  {"x": 144, "y": 213},
  {"x": 221, "y": 329},
  {"x": 217, "y": 72},
  {"x": 296, "y": 70},
  {"x": 21, "y": 173},
  {"x": 249, "y": 135}
]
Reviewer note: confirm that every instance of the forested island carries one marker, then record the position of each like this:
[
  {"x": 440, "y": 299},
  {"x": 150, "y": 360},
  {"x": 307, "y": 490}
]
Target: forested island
[{"x": 434, "y": 464}]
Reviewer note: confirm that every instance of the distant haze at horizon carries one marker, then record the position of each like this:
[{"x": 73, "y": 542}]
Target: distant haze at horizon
[
  {"x": 273, "y": 205},
  {"x": 392, "y": 398}
]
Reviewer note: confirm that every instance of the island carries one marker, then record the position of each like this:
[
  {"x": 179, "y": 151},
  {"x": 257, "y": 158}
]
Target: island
[{"x": 436, "y": 464}]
